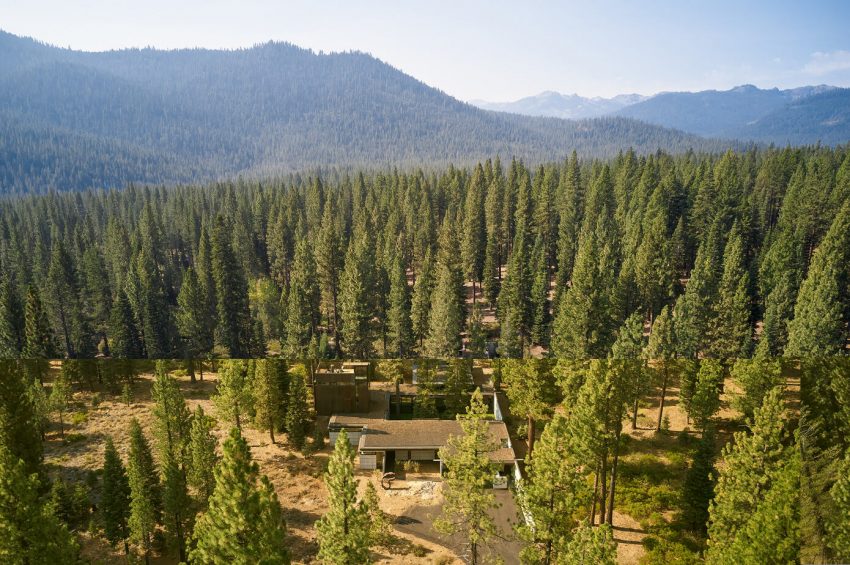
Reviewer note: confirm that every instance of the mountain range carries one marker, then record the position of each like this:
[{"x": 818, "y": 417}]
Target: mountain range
[
  {"x": 72, "y": 120},
  {"x": 795, "y": 116}
]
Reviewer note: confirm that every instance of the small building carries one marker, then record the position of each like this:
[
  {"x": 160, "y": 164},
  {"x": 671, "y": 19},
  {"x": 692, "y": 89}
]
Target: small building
[
  {"x": 341, "y": 388},
  {"x": 381, "y": 444}
]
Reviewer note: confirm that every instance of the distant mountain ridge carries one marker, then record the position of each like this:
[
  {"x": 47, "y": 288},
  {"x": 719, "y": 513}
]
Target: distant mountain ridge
[
  {"x": 567, "y": 106},
  {"x": 71, "y": 120},
  {"x": 802, "y": 115}
]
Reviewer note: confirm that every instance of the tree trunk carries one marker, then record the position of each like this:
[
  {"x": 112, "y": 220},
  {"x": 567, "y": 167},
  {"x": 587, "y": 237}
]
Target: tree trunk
[
  {"x": 603, "y": 498},
  {"x": 614, "y": 476},
  {"x": 201, "y": 369},
  {"x": 595, "y": 490},
  {"x": 531, "y": 433},
  {"x": 190, "y": 365},
  {"x": 635, "y": 415},
  {"x": 663, "y": 395},
  {"x": 61, "y": 426},
  {"x": 271, "y": 432}
]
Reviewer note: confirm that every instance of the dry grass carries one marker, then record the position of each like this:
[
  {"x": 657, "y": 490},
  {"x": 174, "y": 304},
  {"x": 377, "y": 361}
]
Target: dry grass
[{"x": 297, "y": 477}]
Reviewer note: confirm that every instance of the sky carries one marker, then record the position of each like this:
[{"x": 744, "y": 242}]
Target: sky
[{"x": 491, "y": 50}]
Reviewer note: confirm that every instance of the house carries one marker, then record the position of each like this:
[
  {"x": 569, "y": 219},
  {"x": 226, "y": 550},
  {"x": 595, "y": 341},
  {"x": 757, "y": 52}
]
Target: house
[{"x": 383, "y": 442}]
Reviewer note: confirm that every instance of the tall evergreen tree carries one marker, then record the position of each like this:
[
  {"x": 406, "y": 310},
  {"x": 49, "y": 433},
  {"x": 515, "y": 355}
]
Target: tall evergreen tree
[
  {"x": 399, "y": 323},
  {"x": 19, "y": 421},
  {"x": 202, "y": 456},
  {"x": 354, "y": 303},
  {"x": 554, "y": 491},
  {"x": 730, "y": 328},
  {"x": 344, "y": 531},
  {"x": 468, "y": 498},
  {"x": 243, "y": 523},
  {"x": 193, "y": 322},
  {"x": 820, "y": 315},
  {"x": 172, "y": 429},
  {"x": 31, "y": 532},
  {"x": 115, "y": 498},
  {"x": 591, "y": 545},
  {"x": 750, "y": 467},
  {"x": 698, "y": 487},
  {"x": 268, "y": 401},
  {"x": 446, "y": 317},
  {"x": 303, "y": 302},
  {"x": 38, "y": 335},
  {"x": 11, "y": 320},
  {"x": 124, "y": 339},
  {"x": 145, "y": 495},
  {"x": 231, "y": 290},
  {"x": 420, "y": 308},
  {"x": 233, "y": 398},
  {"x": 296, "y": 411}
]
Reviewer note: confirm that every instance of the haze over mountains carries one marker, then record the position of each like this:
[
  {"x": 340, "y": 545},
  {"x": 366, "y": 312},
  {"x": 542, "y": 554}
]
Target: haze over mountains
[
  {"x": 796, "y": 116},
  {"x": 72, "y": 120}
]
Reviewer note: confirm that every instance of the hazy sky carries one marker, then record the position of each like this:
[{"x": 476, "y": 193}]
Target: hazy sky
[{"x": 491, "y": 50}]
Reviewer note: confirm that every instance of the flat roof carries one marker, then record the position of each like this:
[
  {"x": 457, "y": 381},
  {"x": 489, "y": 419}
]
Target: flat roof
[{"x": 388, "y": 435}]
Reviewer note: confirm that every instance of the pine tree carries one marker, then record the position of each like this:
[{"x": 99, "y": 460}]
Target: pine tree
[
  {"x": 749, "y": 468},
  {"x": 60, "y": 396},
  {"x": 693, "y": 308},
  {"x": 706, "y": 398},
  {"x": 627, "y": 353},
  {"x": 591, "y": 545},
  {"x": 156, "y": 322},
  {"x": 31, "y": 532},
  {"x": 477, "y": 334},
  {"x": 344, "y": 531},
  {"x": 124, "y": 339},
  {"x": 380, "y": 529},
  {"x": 755, "y": 377},
  {"x": 193, "y": 323},
  {"x": 819, "y": 324},
  {"x": 243, "y": 523},
  {"x": 468, "y": 497},
  {"x": 662, "y": 349},
  {"x": 145, "y": 495},
  {"x": 531, "y": 391},
  {"x": 474, "y": 238},
  {"x": 172, "y": 428},
  {"x": 772, "y": 533},
  {"x": 231, "y": 289},
  {"x": 554, "y": 491},
  {"x": 114, "y": 504},
  {"x": 446, "y": 317},
  {"x": 303, "y": 302},
  {"x": 839, "y": 526},
  {"x": 19, "y": 421},
  {"x": 38, "y": 335},
  {"x": 540, "y": 295},
  {"x": 514, "y": 307},
  {"x": 354, "y": 303},
  {"x": 329, "y": 264},
  {"x": 233, "y": 398},
  {"x": 63, "y": 293},
  {"x": 730, "y": 329},
  {"x": 399, "y": 323},
  {"x": 458, "y": 382},
  {"x": 584, "y": 325},
  {"x": 202, "y": 456},
  {"x": 571, "y": 210},
  {"x": 296, "y": 411},
  {"x": 268, "y": 401},
  {"x": 11, "y": 320},
  {"x": 698, "y": 487},
  {"x": 420, "y": 308}
]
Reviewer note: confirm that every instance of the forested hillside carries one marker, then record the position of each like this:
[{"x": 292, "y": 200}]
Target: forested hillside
[
  {"x": 730, "y": 254},
  {"x": 166, "y": 116},
  {"x": 796, "y": 116}
]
